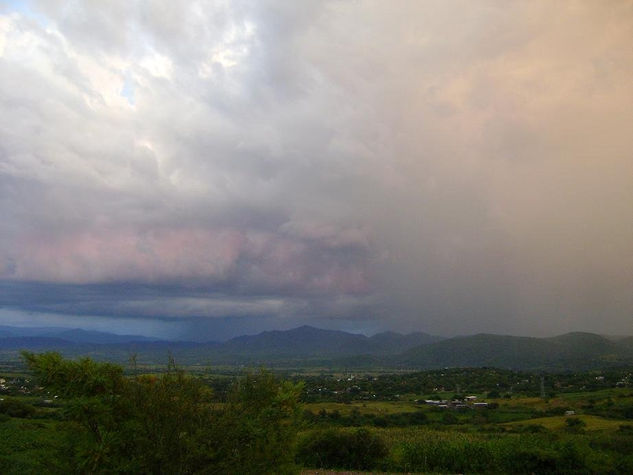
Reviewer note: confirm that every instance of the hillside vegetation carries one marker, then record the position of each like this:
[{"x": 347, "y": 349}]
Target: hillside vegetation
[{"x": 80, "y": 416}]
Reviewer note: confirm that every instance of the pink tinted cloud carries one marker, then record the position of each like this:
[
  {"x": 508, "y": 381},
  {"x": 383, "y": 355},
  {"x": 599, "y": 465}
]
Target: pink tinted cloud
[
  {"x": 256, "y": 260},
  {"x": 108, "y": 255}
]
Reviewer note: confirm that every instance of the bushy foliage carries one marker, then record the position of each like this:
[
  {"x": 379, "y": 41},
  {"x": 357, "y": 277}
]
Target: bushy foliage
[
  {"x": 358, "y": 450},
  {"x": 358, "y": 419},
  {"x": 257, "y": 428},
  {"x": 81, "y": 378},
  {"x": 168, "y": 423},
  {"x": 16, "y": 408},
  {"x": 574, "y": 425}
]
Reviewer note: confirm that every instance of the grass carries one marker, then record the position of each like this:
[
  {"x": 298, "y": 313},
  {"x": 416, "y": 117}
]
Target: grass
[
  {"x": 450, "y": 451},
  {"x": 28, "y": 446},
  {"x": 597, "y": 395},
  {"x": 559, "y": 422}
]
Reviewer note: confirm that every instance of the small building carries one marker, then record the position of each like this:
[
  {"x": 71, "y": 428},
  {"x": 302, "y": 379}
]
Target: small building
[{"x": 570, "y": 413}]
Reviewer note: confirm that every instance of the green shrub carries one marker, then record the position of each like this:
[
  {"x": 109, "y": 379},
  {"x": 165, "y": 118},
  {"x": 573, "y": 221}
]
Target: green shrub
[
  {"x": 16, "y": 408},
  {"x": 532, "y": 428},
  {"x": 574, "y": 425},
  {"x": 449, "y": 418},
  {"x": 531, "y": 460},
  {"x": 358, "y": 450},
  {"x": 380, "y": 422},
  {"x": 619, "y": 442},
  {"x": 625, "y": 464}
]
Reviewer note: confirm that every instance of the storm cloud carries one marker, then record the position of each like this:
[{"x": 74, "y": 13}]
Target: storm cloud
[{"x": 227, "y": 167}]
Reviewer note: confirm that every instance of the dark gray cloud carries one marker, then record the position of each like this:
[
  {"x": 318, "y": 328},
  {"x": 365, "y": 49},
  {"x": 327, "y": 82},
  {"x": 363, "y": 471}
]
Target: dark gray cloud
[{"x": 446, "y": 166}]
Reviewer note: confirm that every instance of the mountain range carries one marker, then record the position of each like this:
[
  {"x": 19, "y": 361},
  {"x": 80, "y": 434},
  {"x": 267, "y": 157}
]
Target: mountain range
[
  {"x": 309, "y": 346},
  {"x": 308, "y": 341},
  {"x": 73, "y": 335}
]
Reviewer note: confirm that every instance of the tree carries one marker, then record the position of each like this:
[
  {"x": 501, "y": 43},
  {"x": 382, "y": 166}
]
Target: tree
[
  {"x": 257, "y": 429},
  {"x": 169, "y": 423}
]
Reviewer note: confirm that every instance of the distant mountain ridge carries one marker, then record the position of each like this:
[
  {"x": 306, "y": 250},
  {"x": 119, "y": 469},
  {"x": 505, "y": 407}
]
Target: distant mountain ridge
[
  {"x": 568, "y": 351},
  {"x": 311, "y": 341},
  {"x": 306, "y": 345},
  {"x": 72, "y": 335}
]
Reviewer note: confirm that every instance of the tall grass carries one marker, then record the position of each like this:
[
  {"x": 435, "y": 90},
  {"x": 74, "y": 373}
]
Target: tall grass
[{"x": 453, "y": 452}]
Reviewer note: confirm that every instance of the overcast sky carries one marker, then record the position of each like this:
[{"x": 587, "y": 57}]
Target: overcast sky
[{"x": 206, "y": 169}]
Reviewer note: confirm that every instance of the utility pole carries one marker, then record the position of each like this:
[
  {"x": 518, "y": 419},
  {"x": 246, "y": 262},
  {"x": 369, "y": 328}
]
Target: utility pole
[{"x": 542, "y": 387}]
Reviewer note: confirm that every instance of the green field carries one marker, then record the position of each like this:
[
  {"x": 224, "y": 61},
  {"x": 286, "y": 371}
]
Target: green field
[{"x": 557, "y": 423}]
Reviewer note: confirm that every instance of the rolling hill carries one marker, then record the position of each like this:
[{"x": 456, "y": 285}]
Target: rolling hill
[{"x": 569, "y": 351}]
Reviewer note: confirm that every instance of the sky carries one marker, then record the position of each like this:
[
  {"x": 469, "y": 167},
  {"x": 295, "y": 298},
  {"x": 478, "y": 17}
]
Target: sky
[{"x": 200, "y": 170}]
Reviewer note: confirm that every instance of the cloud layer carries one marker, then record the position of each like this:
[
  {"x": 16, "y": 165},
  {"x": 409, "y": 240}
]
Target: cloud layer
[{"x": 446, "y": 166}]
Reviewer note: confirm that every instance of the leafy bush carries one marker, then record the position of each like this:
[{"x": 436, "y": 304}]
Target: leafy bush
[
  {"x": 449, "y": 418},
  {"x": 358, "y": 419},
  {"x": 16, "y": 408},
  {"x": 619, "y": 442},
  {"x": 531, "y": 428},
  {"x": 573, "y": 424},
  {"x": 358, "y": 450},
  {"x": 532, "y": 460}
]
